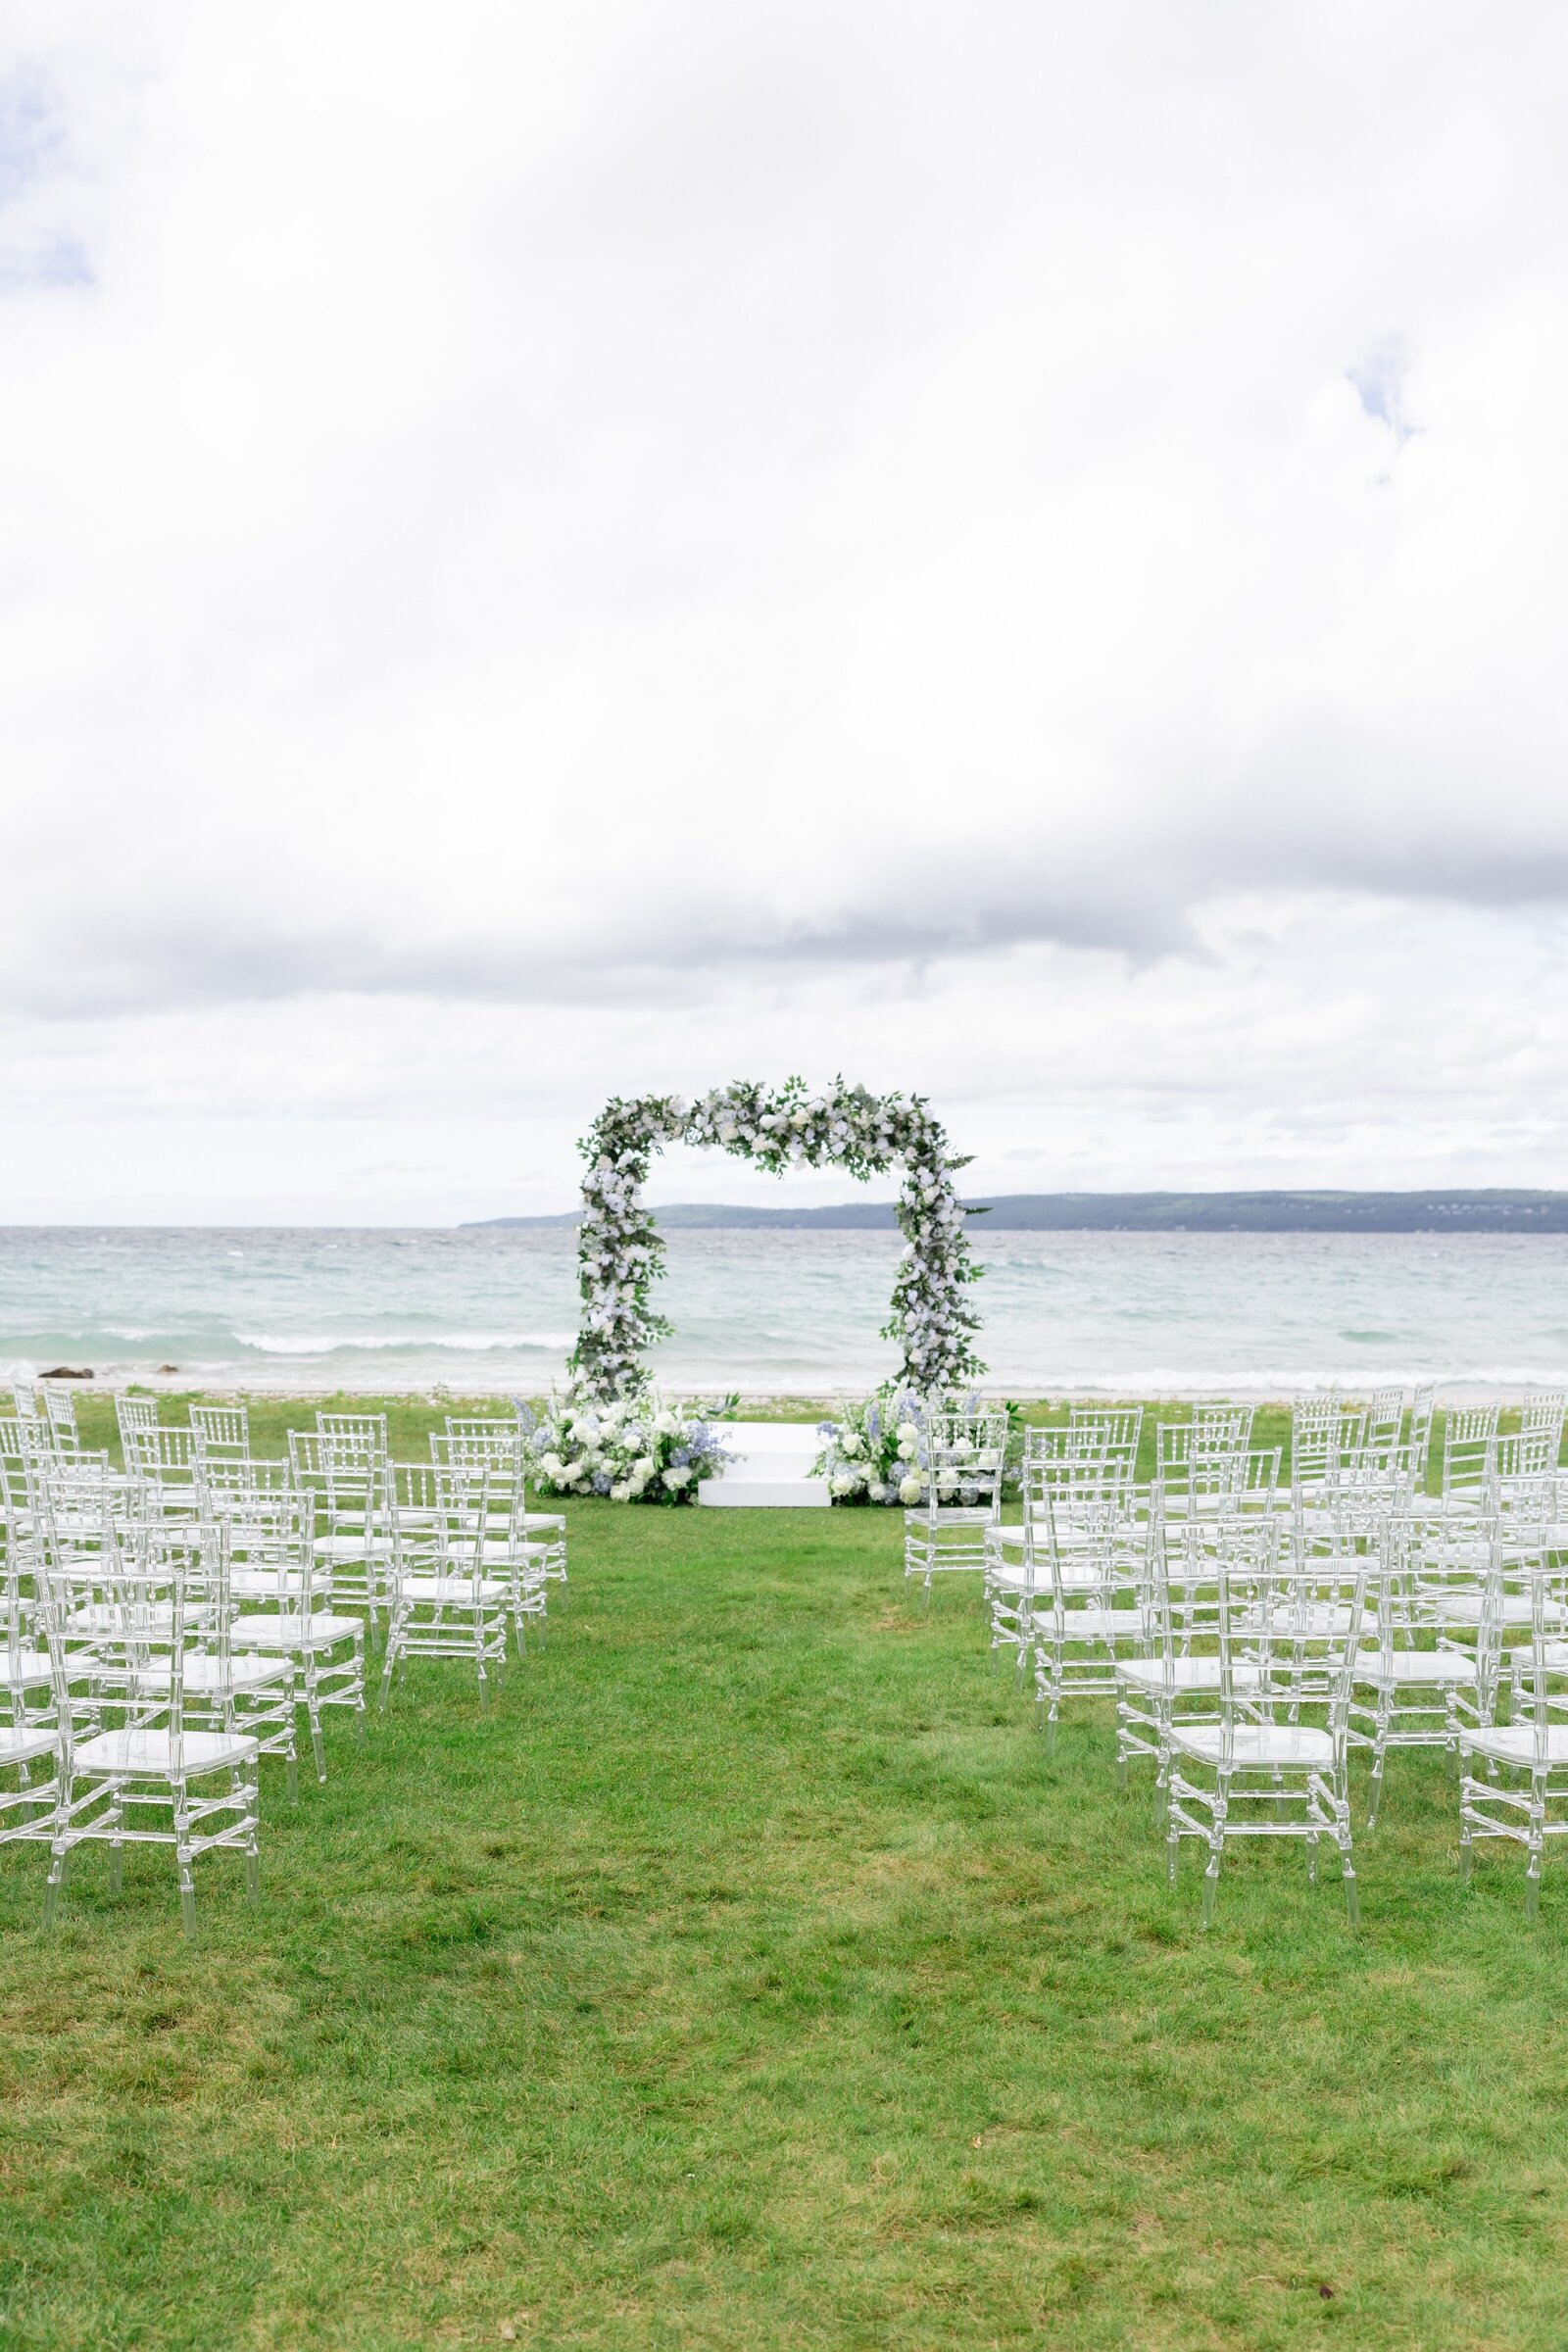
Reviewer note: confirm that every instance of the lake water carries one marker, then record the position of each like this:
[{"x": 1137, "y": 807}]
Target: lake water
[{"x": 786, "y": 1311}]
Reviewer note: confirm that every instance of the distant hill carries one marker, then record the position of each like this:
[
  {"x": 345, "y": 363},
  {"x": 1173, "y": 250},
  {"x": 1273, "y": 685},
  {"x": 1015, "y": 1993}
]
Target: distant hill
[{"x": 1495, "y": 1212}]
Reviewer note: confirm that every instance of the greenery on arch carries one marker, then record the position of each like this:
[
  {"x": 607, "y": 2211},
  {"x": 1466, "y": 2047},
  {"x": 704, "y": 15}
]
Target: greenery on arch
[{"x": 620, "y": 1253}]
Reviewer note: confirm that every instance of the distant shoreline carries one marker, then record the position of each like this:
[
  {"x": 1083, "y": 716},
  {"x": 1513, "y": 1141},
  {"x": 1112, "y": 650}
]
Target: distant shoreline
[{"x": 1445, "y": 1211}]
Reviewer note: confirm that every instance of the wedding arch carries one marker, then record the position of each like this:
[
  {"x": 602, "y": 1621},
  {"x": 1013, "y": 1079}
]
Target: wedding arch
[{"x": 620, "y": 1253}]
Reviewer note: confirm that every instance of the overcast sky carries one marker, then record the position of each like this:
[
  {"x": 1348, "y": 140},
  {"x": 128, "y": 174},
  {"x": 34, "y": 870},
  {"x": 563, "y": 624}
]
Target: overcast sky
[{"x": 1012, "y": 550}]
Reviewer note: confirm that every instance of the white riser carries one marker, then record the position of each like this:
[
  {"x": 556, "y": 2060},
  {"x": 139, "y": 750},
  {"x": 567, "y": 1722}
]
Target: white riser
[
  {"x": 764, "y": 1494},
  {"x": 746, "y": 1466}
]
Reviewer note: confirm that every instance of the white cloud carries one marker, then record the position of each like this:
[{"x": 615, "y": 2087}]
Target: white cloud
[{"x": 556, "y": 550}]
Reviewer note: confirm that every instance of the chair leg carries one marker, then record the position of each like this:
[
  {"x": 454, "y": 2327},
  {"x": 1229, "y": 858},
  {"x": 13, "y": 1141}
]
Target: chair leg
[
  {"x": 183, "y": 1857},
  {"x": 1216, "y": 1848},
  {"x": 1375, "y": 1789},
  {"x": 1538, "y": 1840},
  {"x": 54, "y": 1891},
  {"x": 116, "y": 1848}
]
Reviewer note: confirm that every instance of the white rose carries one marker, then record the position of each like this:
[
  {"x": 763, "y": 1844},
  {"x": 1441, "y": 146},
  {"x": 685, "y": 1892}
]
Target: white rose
[
  {"x": 851, "y": 1449},
  {"x": 665, "y": 1424},
  {"x": 728, "y": 1132},
  {"x": 676, "y": 1478},
  {"x": 909, "y": 1488},
  {"x": 877, "y": 1490},
  {"x": 621, "y": 1494},
  {"x": 844, "y": 1484},
  {"x": 909, "y": 1436},
  {"x": 644, "y": 1467}
]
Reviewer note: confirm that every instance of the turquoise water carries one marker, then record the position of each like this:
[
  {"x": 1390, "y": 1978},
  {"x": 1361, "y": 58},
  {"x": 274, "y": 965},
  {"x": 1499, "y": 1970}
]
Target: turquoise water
[{"x": 779, "y": 1311}]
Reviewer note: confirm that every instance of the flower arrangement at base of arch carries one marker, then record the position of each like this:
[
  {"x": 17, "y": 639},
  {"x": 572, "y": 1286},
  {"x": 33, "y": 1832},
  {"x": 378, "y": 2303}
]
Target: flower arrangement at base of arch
[
  {"x": 638, "y": 1448},
  {"x": 881, "y": 1451},
  {"x": 620, "y": 1253}
]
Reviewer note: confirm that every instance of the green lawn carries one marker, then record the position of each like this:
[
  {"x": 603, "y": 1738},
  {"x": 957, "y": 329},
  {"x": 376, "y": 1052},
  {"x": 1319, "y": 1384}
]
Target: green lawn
[{"x": 749, "y": 1976}]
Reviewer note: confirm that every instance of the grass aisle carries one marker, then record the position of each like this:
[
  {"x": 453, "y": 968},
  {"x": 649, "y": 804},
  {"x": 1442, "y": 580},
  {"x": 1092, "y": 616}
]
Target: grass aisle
[{"x": 750, "y": 1977}]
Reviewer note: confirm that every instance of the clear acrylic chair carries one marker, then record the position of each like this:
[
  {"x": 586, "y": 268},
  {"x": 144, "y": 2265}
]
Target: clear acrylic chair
[
  {"x": 1085, "y": 1611},
  {"x": 1273, "y": 1761},
  {"x": 1326, "y": 1438},
  {"x": 281, "y": 1594},
  {"x": 1175, "y": 1671},
  {"x": 964, "y": 1458},
  {"x": 502, "y": 1446},
  {"x": 349, "y": 1476},
  {"x": 445, "y": 1602},
  {"x": 131, "y": 1755},
  {"x": 1074, "y": 1498},
  {"x": 30, "y": 1734},
  {"x": 1423, "y": 1674},
  {"x": 1524, "y": 1798}
]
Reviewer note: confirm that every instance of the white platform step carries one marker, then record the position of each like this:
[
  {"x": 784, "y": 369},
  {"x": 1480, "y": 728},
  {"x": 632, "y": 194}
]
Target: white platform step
[
  {"x": 770, "y": 1469},
  {"x": 764, "y": 1494}
]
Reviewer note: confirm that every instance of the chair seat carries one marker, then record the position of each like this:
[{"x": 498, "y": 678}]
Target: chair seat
[
  {"x": 1259, "y": 1745},
  {"x": 152, "y": 1752},
  {"x": 1440, "y": 1668},
  {"x": 950, "y": 1515},
  {"x": 1089, "y": 1625},
  {"x": 21, "y": 1668},
  {"x": 1469, "y": 1608},
  {"x": 204, "y": 1678},
  {"x": 1326, "y": 1623},
  {"x": 548, "y": 1522},
  {"x": 1183, "y": 1673},
  {"x": 1515, "y": 1743},
  {"x": 458, "y": 1588},
  {"x": 272, "y": 1629},
  {"x": 263, "y": 1583},
  {"x": 1007, "y": 1578},
  {"x": 352, "y": 1548},
  {"x": 21, "y": 1743},
  {"x": 1068, "y": 1538}
]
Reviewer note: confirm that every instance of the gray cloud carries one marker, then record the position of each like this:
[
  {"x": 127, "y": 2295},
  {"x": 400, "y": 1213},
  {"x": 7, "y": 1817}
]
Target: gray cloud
[{"x": 783, "y": 505}]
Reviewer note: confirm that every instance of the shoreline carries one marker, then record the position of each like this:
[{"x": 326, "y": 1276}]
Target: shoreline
[{"x": 795, "y": 1404}]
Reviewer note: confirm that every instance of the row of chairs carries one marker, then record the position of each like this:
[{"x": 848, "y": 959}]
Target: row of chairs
[
  {"x": 1251, "y": 1632},
  {"x": 166, "y": 1625}
]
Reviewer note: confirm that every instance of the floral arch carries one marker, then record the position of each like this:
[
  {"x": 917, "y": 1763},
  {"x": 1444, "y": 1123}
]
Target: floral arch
[{"x": 620, "y": 1253}]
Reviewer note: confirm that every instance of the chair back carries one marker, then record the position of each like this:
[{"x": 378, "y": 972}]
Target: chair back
[
  {"x": 1469, "y": 1438},
  {"x": 1541, "y": 1699},
  {"x": 965, "y": 1459},
  {"x": 225, "y": 1430},
  {"x": 136, "y": 1413}
]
